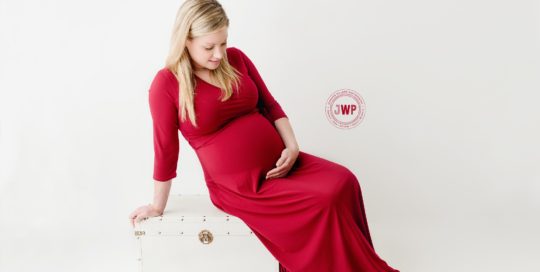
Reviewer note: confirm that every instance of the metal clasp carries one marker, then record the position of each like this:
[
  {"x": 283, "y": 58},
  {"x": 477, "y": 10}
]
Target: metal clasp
[{"x": 206, "y": 237}]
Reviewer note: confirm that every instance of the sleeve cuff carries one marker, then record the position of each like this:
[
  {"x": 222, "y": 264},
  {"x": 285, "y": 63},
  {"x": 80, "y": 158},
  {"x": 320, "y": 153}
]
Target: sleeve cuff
[{"x": 163, "y": 179}]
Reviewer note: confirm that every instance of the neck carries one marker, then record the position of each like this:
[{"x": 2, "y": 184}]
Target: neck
[{"x": 197, "y": 67}]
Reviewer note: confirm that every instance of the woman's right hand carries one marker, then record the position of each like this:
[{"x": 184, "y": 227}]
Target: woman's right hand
[{"x": 143, "y": 212}]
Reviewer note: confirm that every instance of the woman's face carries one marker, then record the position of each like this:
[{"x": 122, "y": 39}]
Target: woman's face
[{"x": 207, "y": 51}]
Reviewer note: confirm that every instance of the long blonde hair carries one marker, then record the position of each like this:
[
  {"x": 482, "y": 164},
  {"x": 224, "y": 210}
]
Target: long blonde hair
[{"x": 198, "y": 18}]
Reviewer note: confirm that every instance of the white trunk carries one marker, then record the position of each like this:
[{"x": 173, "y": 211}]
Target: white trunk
[{"x": 171, "y": 242}]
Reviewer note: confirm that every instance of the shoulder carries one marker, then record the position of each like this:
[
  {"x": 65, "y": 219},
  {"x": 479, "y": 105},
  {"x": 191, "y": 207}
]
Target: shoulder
[
  {"x": 165, "y": 77},
  {"x": 233, "y": 52},
  {"x": 236, "y": 54},
  {"x": 165, "y": 73},
  {"x": 237, "y": 58},
  {"x": 164, "y": 84}
]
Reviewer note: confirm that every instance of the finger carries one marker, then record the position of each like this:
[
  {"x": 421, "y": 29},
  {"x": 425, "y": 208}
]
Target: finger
[
  {"x": 282, "y": 172},
  {"x": 283, "y": 166},
  {"x": 286, "y": 162},
  {"x": 132, "y": 218},
  {"x": 281, "y": 160},
  {"x": 279, "y": 169},
  {"x": 140, "y": 217},
  {"x": 277, "y": 174},
  {"x": 271, "y": 172},
  {"x": 281, "y": 175},
  {"x": 136, "y": 218}
]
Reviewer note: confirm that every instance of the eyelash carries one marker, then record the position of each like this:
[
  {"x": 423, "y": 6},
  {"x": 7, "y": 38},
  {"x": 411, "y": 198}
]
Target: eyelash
[{"x": 213, "y": 48}]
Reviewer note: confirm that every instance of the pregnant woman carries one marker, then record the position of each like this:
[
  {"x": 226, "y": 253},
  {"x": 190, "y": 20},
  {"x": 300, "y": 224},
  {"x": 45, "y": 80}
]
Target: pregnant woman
[{"x": 307, "y": 211}]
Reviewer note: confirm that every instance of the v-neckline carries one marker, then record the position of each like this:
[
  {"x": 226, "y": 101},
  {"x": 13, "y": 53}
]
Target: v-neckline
[{"x": 205, "y": 81}]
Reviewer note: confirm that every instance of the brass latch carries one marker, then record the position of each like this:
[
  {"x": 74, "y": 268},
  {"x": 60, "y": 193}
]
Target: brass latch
[
  {"x": 206, "y": 237},
  {"x": 139, "y": 233}
]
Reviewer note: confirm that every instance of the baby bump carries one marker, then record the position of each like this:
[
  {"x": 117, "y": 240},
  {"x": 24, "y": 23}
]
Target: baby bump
[{"x": 240, "y": 155}]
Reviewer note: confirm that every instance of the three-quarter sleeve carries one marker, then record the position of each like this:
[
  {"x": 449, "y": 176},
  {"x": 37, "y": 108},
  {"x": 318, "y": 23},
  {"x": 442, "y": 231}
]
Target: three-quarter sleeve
[
  {"x": 165, "y": 128},
  {"x": 267, "y": 105}
]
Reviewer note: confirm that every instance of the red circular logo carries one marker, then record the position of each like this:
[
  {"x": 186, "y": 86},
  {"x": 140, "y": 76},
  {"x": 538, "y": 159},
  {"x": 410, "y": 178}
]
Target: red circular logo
[{"x": 345, "y": 109}]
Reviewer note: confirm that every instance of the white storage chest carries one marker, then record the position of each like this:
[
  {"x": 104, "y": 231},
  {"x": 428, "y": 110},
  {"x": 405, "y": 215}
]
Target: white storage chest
[{"x": 193, "y": 235}]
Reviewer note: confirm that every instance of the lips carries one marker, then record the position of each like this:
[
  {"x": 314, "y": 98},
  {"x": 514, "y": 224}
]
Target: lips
[{"x": 216, "y": 61}]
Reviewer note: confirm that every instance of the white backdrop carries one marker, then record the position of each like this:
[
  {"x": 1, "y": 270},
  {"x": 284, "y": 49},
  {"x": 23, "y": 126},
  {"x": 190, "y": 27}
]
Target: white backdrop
[{"x": 447, "y": 156}]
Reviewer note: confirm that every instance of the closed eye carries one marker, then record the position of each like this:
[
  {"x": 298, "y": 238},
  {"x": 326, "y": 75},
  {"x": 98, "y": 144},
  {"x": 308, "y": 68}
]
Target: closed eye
[{"x": 213, "y": 47}]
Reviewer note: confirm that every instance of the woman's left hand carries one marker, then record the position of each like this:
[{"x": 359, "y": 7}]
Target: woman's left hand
[{"x": 284, "y": 164}]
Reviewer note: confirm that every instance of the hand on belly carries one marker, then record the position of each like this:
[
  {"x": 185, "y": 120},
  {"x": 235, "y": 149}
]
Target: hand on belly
[{"x": 243, "y": 153}]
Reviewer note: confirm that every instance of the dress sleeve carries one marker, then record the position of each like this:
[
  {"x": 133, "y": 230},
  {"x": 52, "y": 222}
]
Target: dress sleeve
[
  {"x": 165, "y": 128},
  {"x": 267, "y": 105}
]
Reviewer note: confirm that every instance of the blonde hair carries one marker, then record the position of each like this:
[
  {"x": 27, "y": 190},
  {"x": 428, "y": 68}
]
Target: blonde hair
[{"x": 197, "y": 18}]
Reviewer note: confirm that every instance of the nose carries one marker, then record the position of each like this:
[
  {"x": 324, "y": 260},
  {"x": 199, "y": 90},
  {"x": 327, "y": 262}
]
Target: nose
[{"x": 218, "y": 55}]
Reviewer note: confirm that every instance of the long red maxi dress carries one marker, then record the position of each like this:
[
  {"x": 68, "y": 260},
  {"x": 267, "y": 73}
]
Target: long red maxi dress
[{"x": 311, "y": 220}]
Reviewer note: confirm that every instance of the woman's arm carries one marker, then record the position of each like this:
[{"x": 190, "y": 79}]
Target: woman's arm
[
  {"x": 286, "y": 132},
  {"x": 166, "y": 143},
  {"x": 271, "y": 109},
  {"x": 161, "y": 98},
  {"x": 289, "y": 154},
  {"x": 161, "y": 194}
]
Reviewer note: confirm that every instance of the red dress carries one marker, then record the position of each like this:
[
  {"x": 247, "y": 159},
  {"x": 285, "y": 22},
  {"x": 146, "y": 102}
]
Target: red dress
[{"x": 311, "y": 220}]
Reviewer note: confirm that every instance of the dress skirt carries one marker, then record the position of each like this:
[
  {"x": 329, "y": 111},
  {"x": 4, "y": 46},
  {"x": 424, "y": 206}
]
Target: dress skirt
[{"x": 311, "y": 220}]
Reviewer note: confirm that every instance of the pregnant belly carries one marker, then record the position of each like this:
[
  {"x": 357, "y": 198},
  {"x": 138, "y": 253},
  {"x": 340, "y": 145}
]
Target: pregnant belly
[{"x": 239, "y": 156}]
